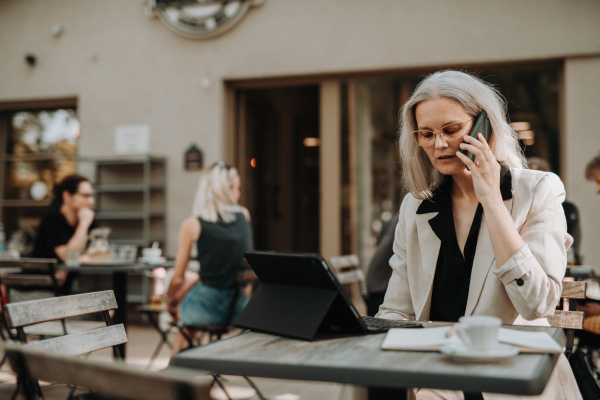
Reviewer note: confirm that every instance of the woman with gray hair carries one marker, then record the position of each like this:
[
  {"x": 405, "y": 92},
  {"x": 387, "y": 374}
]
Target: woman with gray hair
[
  {"x": 474, "y": 238},
  {"x": 220, "y": 227}
]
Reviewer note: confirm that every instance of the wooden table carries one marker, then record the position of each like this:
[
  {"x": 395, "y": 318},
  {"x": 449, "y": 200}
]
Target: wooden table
[
  {"x": 359, "y": 360},
  {"x": 119, "y": 274}
]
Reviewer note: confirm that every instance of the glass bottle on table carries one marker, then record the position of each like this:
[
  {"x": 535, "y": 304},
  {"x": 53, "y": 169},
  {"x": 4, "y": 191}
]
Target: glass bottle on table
[
  {"x": 158, "y": 288},
  {"x": 99, "y": 249}
]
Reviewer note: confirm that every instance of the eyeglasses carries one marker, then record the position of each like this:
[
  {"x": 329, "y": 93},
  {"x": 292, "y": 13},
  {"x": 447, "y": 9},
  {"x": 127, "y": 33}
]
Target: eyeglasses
[
  {"x": 86, "y": 195},
  {"x": 451, "y": 132}
]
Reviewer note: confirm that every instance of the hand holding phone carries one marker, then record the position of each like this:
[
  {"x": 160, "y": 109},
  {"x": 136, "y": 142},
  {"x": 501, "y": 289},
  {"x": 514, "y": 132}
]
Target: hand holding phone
[{"x": 481, "y": 125}]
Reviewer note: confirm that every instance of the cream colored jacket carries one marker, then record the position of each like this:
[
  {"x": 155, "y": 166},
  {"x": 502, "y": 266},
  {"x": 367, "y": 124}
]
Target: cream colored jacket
[{"x": 536, "y": 209}]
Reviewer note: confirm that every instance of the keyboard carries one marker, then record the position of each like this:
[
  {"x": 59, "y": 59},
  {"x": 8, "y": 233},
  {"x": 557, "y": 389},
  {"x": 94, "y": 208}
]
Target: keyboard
[{"x": 383, "y": 325}]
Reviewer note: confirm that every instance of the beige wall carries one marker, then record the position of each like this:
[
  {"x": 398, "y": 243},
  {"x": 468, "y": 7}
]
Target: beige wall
[
  {"x": 581, "y": 144},
  {"x": 126, "y": 68}
]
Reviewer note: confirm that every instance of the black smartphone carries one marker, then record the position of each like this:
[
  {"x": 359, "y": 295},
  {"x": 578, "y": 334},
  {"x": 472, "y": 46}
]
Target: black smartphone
[{"x": 481, "y": 125}]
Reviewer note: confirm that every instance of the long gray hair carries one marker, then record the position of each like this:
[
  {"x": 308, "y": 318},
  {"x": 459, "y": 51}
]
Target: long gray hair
[
  {"x": 214, "y": 198},
  {"x": 474, "y": 95}
]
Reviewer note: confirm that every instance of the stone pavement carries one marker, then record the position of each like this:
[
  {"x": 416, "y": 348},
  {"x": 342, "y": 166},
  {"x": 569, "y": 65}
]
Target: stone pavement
[{"x": 142, "y": 342}]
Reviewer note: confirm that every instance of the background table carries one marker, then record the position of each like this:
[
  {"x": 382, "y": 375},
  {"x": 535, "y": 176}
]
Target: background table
[
  {"x": 119, "y": 274},
  {"x": 359, "y": 360}
]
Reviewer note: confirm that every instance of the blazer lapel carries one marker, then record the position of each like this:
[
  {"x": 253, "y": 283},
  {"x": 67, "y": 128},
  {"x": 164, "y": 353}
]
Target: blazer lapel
[
  {"x": 482, "y": 263},
  {"x": 430, "y": 249}
]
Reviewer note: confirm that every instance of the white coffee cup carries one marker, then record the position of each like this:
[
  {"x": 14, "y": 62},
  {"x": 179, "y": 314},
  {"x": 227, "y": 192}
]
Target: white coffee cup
[
  {"x": 479, "y": 332},
  {"x": 151, "y": 253}
]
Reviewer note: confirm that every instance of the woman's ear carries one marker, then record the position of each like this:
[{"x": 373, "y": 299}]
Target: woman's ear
[{"x": 66, "y": 196}]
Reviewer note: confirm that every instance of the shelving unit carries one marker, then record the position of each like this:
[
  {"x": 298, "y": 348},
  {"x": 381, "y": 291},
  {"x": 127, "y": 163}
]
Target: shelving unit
[{"x": 130, "y": 198}]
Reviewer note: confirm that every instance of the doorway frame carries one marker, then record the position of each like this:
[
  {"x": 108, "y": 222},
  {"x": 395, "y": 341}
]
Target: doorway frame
[{"x": 330, "y": 163}]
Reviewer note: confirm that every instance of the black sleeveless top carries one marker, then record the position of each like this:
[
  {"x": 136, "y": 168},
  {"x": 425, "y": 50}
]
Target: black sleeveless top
[{"x": 221, "y": 248}]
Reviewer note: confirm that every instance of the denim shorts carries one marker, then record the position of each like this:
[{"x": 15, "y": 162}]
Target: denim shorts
[{"x": 205, "y": 305}]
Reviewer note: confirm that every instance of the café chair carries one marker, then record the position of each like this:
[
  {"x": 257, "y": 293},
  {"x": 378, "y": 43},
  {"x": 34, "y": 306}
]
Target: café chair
[
  {"x": 211, "y": 333},
  {"x": 215, "y": 332},
  {"x": 113, "y": 380},
  {"x": 208, "y": 332},
  {"x": 153, "y": 312},
  {"x": 347, "y": 270},
  {"x": 34, "y": 273},
  {"x": 569, "y": 319},
  {"x": 28, "y": 313},
  {"x": 40, "y": 273}
]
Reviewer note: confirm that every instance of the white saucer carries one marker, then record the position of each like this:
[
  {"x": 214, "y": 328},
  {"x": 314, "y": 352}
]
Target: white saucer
[
  {"x": 152, "y": 261},
  {"x": 460, "y": 353}
]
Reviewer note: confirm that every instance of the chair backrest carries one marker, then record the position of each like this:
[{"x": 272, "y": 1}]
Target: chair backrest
[
  {"x": 28, "y": 263},
  {"x": 26, "y": 313},
  {"x": 570, "y": 319},
  {"x": 346, "y": 269},
  {"x": 47, "y": 276},
  {"x": 110, "y": 379}
]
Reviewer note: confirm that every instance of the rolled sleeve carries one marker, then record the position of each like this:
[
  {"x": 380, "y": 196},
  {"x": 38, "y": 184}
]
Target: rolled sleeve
[
  {"x": 517, "y": 265},
  {"x": 532, "y": 276}
]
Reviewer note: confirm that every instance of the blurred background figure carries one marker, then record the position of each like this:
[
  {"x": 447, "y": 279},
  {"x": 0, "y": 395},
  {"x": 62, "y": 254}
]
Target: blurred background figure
[
  {"x": 585, "y": 360},
  {"x": 379, "y": 272},
  {"x": 592, "y": 172},
  {"x": 571, "y": 213},
  {"x": 63, "y": 230},
  {"x": 591, "y": 307},
  {"x": 65, "y": 227},
  {"x": 221, "y": 229}
]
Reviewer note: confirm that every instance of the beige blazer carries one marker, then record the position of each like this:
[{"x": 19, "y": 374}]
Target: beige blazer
[{"x": 536, "y": 209}]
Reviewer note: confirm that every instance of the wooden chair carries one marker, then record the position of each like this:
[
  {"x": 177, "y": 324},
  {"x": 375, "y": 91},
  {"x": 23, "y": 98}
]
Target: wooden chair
[
  {"x": 36, "y": 273},
  {"x": 153, "y": 312},
  {"x": 110, "y": 379},
  {"x": 569, "y": 319},
  {"x": 203, "y": 333},
  {"x": 348, "y": 272},
  {"x": 27, "y": 313},
  {"x": 40, "y": 273},
  {"x": 215, "y": 332}
]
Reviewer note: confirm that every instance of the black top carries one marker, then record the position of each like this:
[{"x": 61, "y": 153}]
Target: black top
[
  {"x": 453, "y": 271},
  {"x": 53, "y": 231},
  {"x": 573, "y": 227},
  {"x": 221, "y": 248}
]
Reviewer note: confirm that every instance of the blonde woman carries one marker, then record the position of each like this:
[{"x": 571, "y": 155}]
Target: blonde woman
[
  {"x": 484, "y": 238},
  {"x": 221, "y": 229}
]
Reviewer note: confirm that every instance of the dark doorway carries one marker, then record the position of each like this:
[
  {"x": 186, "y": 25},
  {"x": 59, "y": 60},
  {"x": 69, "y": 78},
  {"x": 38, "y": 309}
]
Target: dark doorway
[{"x": 278, "y": 155}]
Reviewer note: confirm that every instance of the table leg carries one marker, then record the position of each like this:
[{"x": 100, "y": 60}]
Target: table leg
[
  {"x": 164, "y": 338},
  {"x": 120, "y": 289},
  {"x": 376, "y": 393}
]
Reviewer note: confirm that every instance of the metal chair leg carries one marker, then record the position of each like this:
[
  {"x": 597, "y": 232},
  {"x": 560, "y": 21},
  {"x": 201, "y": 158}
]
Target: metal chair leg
[
  {"x": 258, "y": 392},
  {"x": 218, "y": 382}
]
